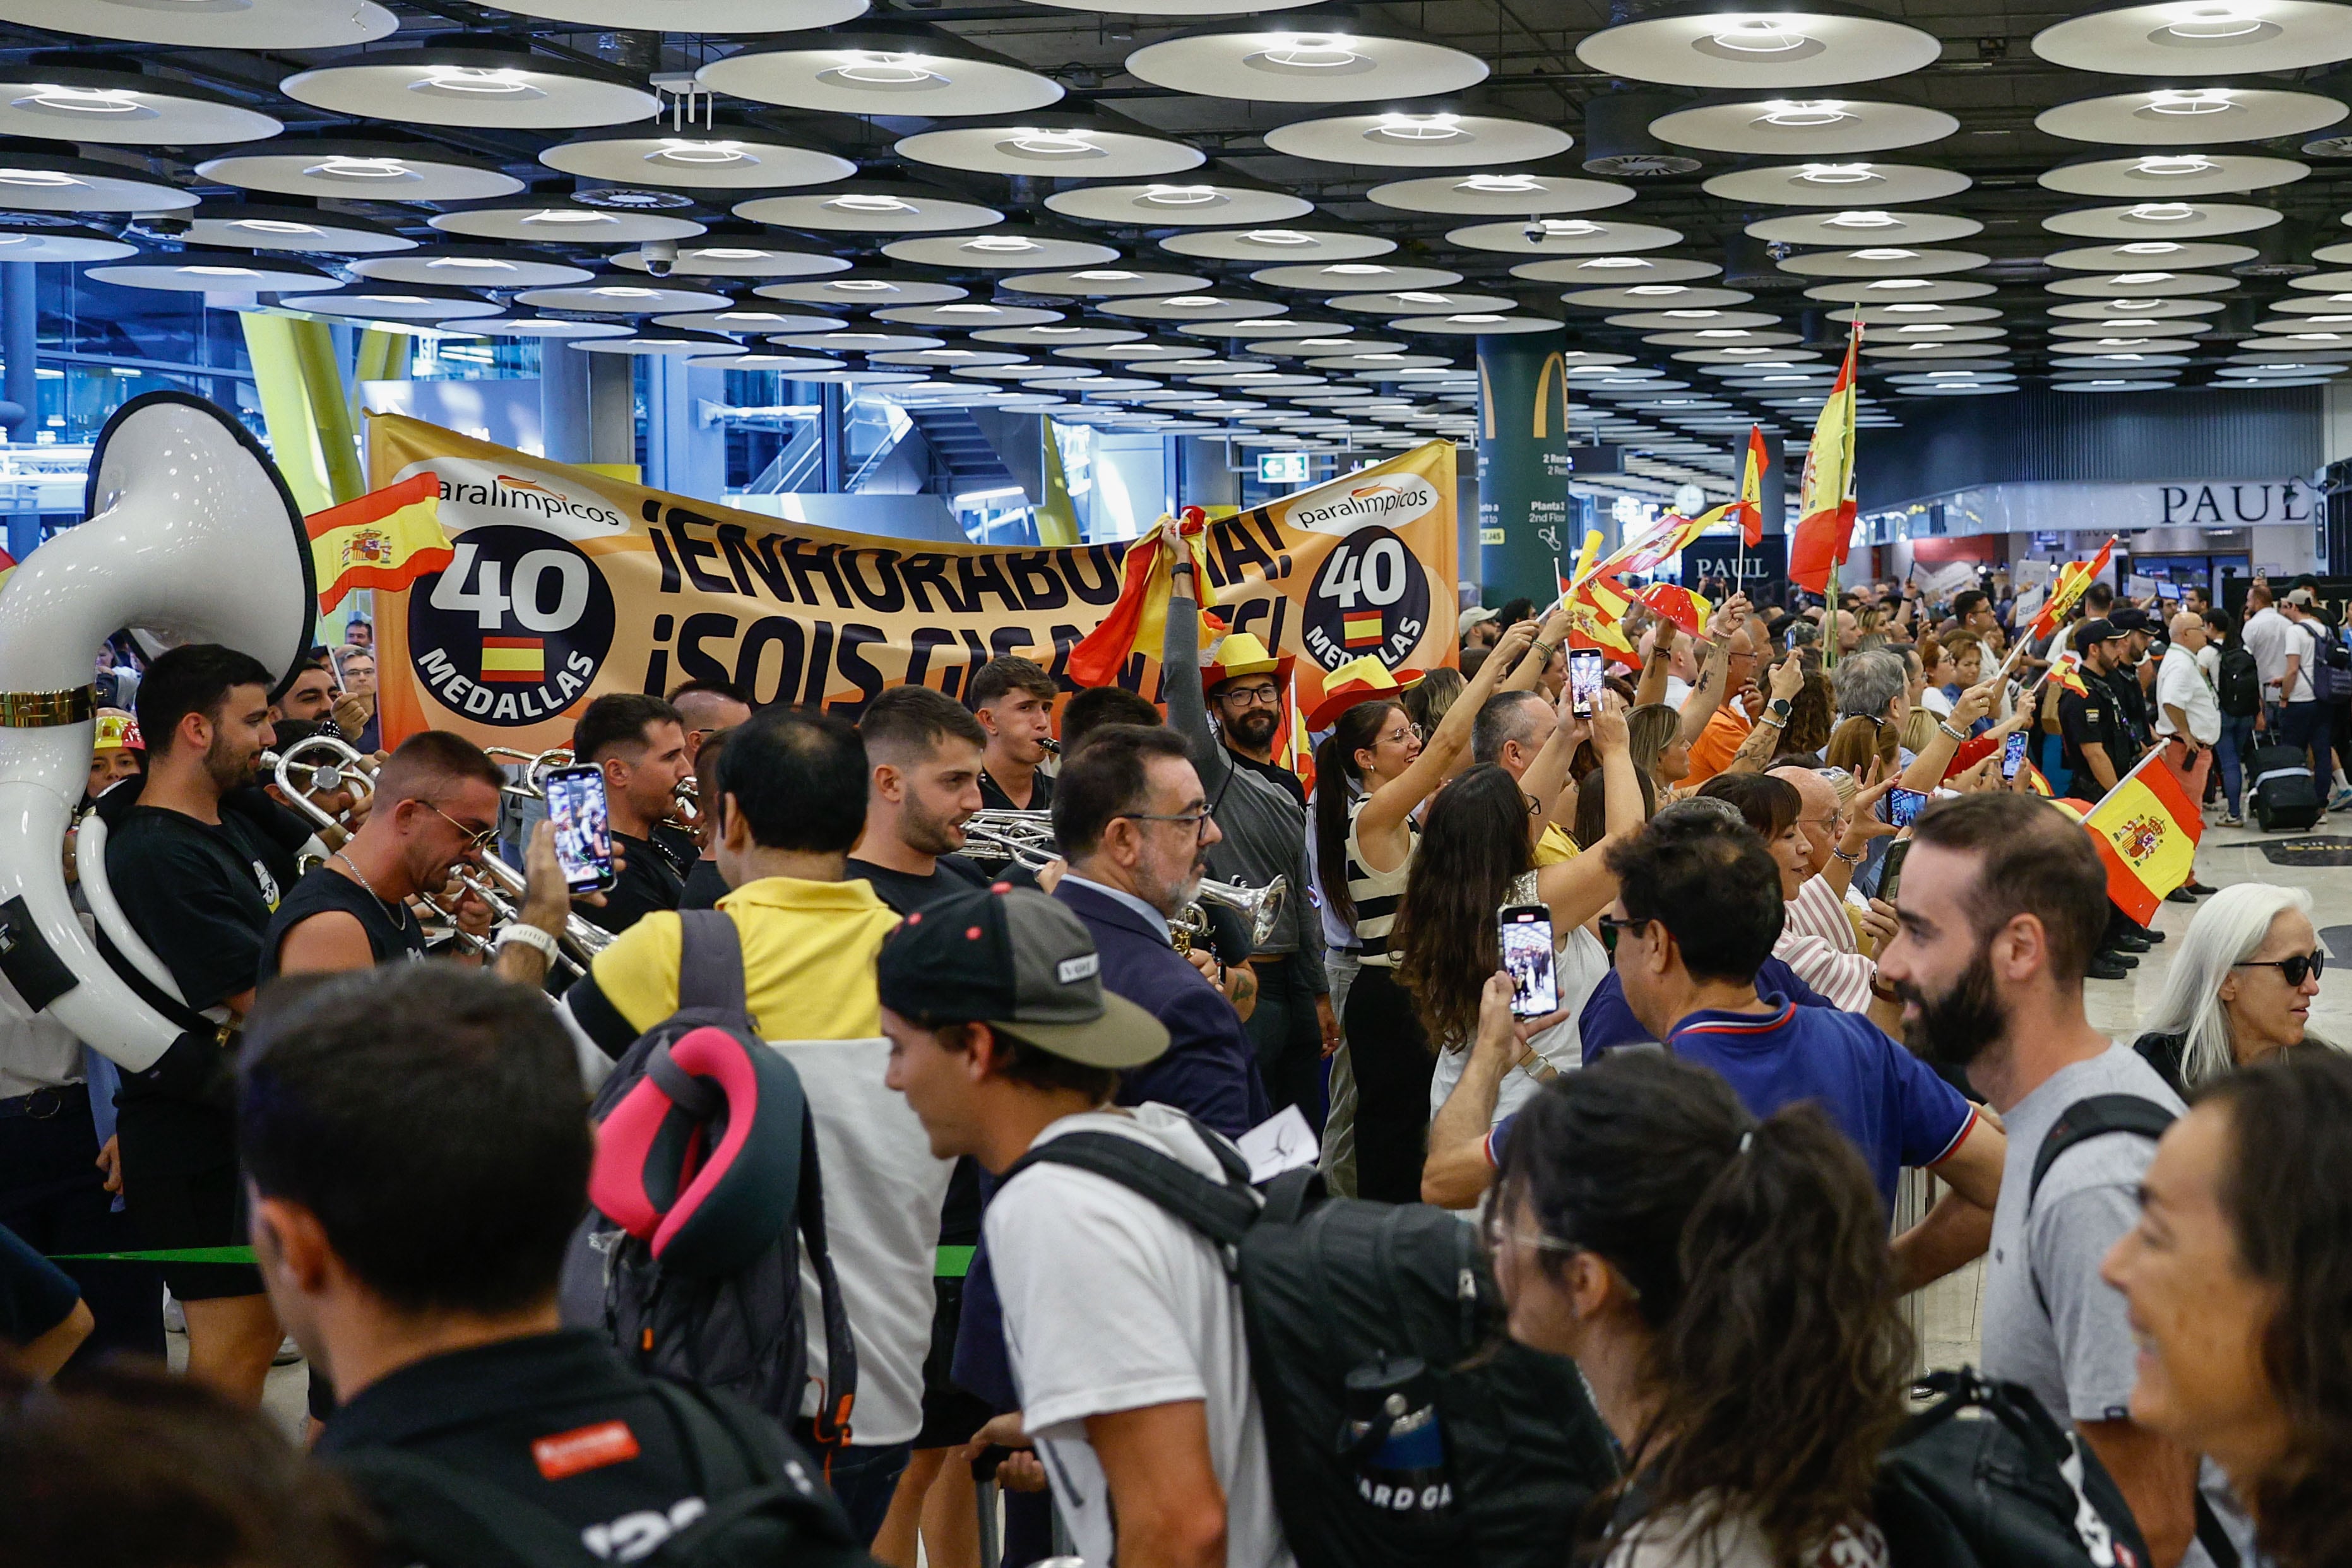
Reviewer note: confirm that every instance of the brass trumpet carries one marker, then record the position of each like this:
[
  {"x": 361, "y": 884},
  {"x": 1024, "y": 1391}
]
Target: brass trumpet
[
  {"x": 1023, "y": 838},
  {"x": 1262, "y": 905},
  {"x": 536, "y": 766}
]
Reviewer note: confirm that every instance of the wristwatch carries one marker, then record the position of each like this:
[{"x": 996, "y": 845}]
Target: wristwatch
[
  {"x": 518, "y": 934},
  {"x": 1779, "y": 709}
]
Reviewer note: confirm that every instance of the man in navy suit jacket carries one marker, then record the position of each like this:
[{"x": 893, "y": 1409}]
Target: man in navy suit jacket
[{"x": 1131, "y": 816}]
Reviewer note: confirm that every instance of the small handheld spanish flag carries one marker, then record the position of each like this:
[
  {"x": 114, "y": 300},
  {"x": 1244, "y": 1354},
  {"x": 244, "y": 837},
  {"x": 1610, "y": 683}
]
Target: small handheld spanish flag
[
  {"x": 2146, "y": 830},
  {"x": 385, "y": 539}
]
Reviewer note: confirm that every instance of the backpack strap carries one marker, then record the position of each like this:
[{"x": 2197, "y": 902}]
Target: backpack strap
[
  {"x": 1222, "y": 1210},
  {"x": 2095, "y": 1117},
  {"x": 710, "y": 961},
  {"x": 458, "y": 1520},
  {"x": 716, "y": 1432},
  {"x": 840, "y": 1349}
]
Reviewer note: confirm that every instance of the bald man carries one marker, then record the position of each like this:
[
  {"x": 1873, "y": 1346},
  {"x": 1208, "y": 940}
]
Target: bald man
[{"x": 2188, "y": 717}]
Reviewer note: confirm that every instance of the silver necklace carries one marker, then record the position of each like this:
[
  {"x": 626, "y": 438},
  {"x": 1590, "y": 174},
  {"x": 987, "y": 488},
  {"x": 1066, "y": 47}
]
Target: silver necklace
[{"x": 399, "y": 912}]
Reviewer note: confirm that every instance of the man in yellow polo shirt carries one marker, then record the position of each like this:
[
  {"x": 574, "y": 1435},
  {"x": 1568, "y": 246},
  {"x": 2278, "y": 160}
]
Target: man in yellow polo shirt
[
  {"x": 1510, "y": 730},
  {"x": 792, "y": 804}
]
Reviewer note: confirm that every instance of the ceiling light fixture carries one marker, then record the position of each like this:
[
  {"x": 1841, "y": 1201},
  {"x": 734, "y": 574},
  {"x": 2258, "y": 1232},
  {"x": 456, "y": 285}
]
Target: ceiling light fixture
[
  {"x": 1006, "y": 243},
  {"x": 1901, "y": 283},
  {"x": 1657, "y": 289},
  {"x": 1277, "y": 237},
  {"x": 1800, "y": 115},
  {"x": 85, "y": 99},
  {"x": 38, "y": 179},
  {"x": 2162, "y": 212},
  {"x": 202, "y": 272},
  {"x": 503, "y": 81},
  {"x": 1861, "y": 220},
  {"x": 1308, "y": 52},
  {"x": 2189, "y": 100},
  {"x": 1501, "y": 184},
  {"x": 1612, "y": 263},
  {"x": 1886, "y": 253},
  {"x": 876, "y": 68},
  {"x": 274, "y": 226},
  {"x": 568, "y": 216},
  {"x": 1051, "y": 145},
  {"x": 1912, "y": 309},
  {"x": 1182, "y": 196},
  {"x": 858, "y": 202},
  {"x": 1419, "y": 127},
  {"x": 342, "y": 168},
  {"x": 2208, "y": 24},
  {"x": 1837, "y": 174},
  {"x": 2134, "y": 279},
  {"x": 2180, "y": 166},
  {"x": 2148, "y": 247},
  {"x": 1761, "y": 36},
  {"x": 685, "y": 150},
  {"x": 1105, "y": 275}
]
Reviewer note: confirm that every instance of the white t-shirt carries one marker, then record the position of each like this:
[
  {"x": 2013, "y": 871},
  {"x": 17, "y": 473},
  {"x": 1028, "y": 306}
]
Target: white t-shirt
[
  {"x": 1111, "y": 1304},
  {"x": 2265, "y": 638},
  {"x": 2298, "y": 644},
  {"x": 2181, "y": 682}
]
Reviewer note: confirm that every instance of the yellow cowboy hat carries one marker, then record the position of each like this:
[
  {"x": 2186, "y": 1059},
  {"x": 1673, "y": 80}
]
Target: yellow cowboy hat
[
  {"x": 1242, "y": 654},
  {"x": 117, "y": 731},
  {"x": 1359, "y": 680}
]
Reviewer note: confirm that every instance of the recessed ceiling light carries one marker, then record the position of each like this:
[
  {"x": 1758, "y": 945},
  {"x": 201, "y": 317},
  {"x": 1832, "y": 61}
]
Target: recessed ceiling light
[
  {"x": 1886, "y": 253},
  {"x": 873, "y": 67},
  {"x": 1181, "y": 196},
  {"x": 1782, "y": 112},
  {"x": 1861, "y": 220},
  {"x": 39, "y": 179},
  {"x": 1499, "y": 185},
  {"x": 2176, "y": 166},
  {"x": 2211, "y": 23},
  {"x": 1277, "y": 237},
  {"x": 1836, "y": 174},
  {"x": 2131, "y": 279},
  {"x": 494, "y": 81},
  {"x": 1008, "y": 244},
  {"x": 2189, "y": 100},
  {"x": 1419, "y": 127},
  {"x": 568, "y": 216},
  {"x": 1761, "y": 36}
]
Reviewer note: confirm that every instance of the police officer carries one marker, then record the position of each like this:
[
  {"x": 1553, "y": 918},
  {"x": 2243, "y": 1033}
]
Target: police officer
[
  {"x": 2131, "y": 698},
  {"x": 2099, "y": 748},
  {"x": 415, "y": 1140}
]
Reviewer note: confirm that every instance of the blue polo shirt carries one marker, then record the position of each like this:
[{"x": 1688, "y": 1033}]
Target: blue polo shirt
[
  {"x": 1890, "y": 1104},
  {"x": 1608, "y": 1023}
]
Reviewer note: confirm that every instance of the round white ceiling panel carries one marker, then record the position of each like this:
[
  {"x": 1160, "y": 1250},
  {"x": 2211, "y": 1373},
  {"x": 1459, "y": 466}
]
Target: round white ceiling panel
[
  {"x": 1000, "y": 249},
  {"x": 534, "y": 326},
  {"x": 476, "y": 88},
  {"x": 36, "y": 181},
  {"x": 1656, "y": 296},
  {"x": 722, "y": 157},
  {"x": 216, "y": 272},
  {"x": 212, "y": 23},
  {"x": 740, "y": 319},
  {"x": 696, "y": 16},
  {"x": 1900, "y": 290},
  {"x": 2189, "y": 116},
  {"x": 473, "y": 266},
  {"x": 1193, "y": 308},
  {"x": 1865, "y": 226},
  {"x": 1719, "y": 47},
  {"x": 1277, "y": 62},
  {"x": 2148, "y": 253},
  {"x": 870, "y": 205},
  {"x": 344, "y": 170},
  {"x": 1499, "y": 194},
  {"x": 1062, "y": 146},
  {"x": 1884, "y": 261},
  {"x": 735, "y": 256},
  {"x": 1563, "y": 236},
  {"x": 1355, "y": 274},
  {"x": 1842, "y": 182},
  {"x": 372, "y": 301},
  {"x": 551, "y": 220},
  {"x": 24, "y": 240},
  {"x": 1160, "y": 202},
  {"x": 2171, "y": 176},
  {"x": 1056, "y": 337},
  {"x": 623, "y": 295},
  {"x": 1617, "y": 271},
  {"x": 1420, "y": 302},
  {"x": 1398, "y": 138},
  {"x": 1104, "y": 283},
  {"x": 2121, "y": 284},
  {"x": 2151, "y": 309},
  {"x": 878, "y": 74},
  {"x": 1800, "y": 126},
  {"x": 967, "y": 314},
  {"x": 61, "y": 102},
  {"x": 2203, "y": 38},
  {"x": 1283, "y": 244},
  {"x": 252, "y": 226},
  {"x": 2162, "y": 220}
]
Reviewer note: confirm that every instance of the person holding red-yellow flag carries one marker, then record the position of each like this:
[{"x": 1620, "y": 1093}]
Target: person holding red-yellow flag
[
  {"x": 384, "y": 539},
  {"x": 1138, "y": 620}
]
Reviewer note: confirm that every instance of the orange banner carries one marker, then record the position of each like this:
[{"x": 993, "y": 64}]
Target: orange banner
[{"x": 565, "y": 585}]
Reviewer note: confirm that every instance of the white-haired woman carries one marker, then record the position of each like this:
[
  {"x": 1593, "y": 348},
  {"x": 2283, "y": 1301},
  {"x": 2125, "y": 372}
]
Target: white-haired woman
[{"x": 2240, "y": 988}]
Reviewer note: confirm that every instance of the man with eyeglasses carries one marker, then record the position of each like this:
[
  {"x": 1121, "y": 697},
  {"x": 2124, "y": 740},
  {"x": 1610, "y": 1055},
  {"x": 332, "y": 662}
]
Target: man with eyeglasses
[
  {"x": 436, "y": 809},
  {"x": 1131, "y": 816}
]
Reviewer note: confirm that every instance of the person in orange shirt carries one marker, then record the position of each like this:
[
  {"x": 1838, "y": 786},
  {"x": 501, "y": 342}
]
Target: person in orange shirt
[{"x": 1730, "y": 728}]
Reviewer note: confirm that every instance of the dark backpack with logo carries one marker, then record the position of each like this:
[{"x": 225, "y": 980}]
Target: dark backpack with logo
[
  {"x": 1989, "y": 1477},
  {"x": 757, "y": 1513},
  {"x": 742, "y": 1331},
  {"x": 2331, "y": 664},
  {"x": 1387, "y": 1297},
  {"x": 2238, "y": 683}
]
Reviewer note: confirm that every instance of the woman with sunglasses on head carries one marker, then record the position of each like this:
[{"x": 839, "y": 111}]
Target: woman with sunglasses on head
[
  {"x": 2239, "y": 1287},
  {"x": 1373, "y": 773},
  {"x": 1725, "y": 1287},
  {"x": 2241, "y": 987}
]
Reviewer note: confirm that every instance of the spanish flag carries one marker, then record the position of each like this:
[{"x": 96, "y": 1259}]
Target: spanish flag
[
  {"x": 1596, "y": 612},
  {"x": 1678, "y": 604},
  {"x": 1825, "y": 494},
  {"x": 2146, "y": 830},
  {"x": 1750, "y": 506},
  {"x": 2068, "y": 673},
  {"x": 1138, "y": 620},
  {"x": 2074, "y": 580},
  {"x": 523, "y": 660},
  {"x": 1360, "y": 629},
  {"x": 385, "y": 539}
]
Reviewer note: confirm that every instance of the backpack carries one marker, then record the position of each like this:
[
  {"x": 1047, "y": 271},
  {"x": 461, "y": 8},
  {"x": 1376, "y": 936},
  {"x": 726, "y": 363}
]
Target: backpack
[
  {"x": 743, "y": 1331},
  {"x": 1375, "y": 1331},
  {"x": 759, "y": 1513},
  {"x": 2331, "y": 666},
  {"x": 1986, "y": 1478},
  {"x": 2238, "y": 683}
]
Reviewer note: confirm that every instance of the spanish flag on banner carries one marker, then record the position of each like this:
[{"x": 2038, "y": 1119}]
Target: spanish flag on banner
[
  {"x": 521, "y": 659},
  {"x": 1138, "y": 621},
  {"x": 2146, "y": 831},
  {"x": 385, "y": 539}
]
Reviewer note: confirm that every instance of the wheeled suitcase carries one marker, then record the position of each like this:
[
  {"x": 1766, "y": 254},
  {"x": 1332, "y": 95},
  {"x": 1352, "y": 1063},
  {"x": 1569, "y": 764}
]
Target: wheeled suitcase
[{"x": 2284, "y": 797}]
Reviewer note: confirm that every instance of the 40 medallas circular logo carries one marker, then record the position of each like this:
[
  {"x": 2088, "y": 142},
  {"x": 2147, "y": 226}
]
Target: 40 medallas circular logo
[
  {"x": 514, "y": 630},
  {"x": 1370, "y": 596}
]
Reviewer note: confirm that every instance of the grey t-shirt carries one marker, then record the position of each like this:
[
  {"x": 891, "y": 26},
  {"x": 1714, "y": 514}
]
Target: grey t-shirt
[{"x": 2077, "y": 1356}]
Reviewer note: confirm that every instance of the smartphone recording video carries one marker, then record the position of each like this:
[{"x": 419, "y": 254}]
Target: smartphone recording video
[
  {"x": 1525, "y": 935},
  {"x": 1903, "y": 806},
  {"x": 584, "y": 829},
  {"x": 1586, "y": 677},
  {"x": 2012, "y": 756}
]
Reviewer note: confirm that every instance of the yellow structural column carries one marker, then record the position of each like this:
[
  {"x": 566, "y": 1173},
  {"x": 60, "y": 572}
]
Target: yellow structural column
[
  {"x": 331, "y": 407},
  {"x": 285, "y": 408}
]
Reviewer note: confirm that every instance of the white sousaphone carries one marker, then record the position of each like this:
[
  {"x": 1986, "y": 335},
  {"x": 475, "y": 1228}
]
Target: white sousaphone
[{"x": 191, "y": 536}]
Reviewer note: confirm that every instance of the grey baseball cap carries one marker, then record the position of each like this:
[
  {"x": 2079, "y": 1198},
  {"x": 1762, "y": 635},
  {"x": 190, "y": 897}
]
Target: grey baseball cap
[{"x": 1021, "y": 963}]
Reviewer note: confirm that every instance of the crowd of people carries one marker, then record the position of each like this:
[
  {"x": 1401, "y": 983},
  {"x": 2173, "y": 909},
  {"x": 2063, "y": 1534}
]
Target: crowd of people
[{"x": 1810, "y": 926}]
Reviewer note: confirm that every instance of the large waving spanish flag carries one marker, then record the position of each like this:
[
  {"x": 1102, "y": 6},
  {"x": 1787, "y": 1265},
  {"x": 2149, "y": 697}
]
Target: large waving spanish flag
[
  {"x": 384, "y": 539},
  {"x": 2146, "y": 829},
  {"x": 1825, "y": 495},
  {"x": 2074, "y": 580}
]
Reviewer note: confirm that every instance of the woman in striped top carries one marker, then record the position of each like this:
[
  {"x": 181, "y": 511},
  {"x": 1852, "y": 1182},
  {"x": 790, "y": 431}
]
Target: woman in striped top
[{"x": 1373, "y": 773}]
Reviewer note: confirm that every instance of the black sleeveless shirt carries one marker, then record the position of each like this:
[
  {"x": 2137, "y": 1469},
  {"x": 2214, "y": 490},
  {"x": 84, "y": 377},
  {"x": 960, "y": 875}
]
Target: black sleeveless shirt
[{"x": 324, "y": 888}]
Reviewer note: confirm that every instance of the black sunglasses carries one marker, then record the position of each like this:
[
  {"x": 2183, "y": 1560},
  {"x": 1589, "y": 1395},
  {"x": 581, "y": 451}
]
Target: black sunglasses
[
  {"x": 2295, "y": 969},
  {"x": 1610, "y": 926}
]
